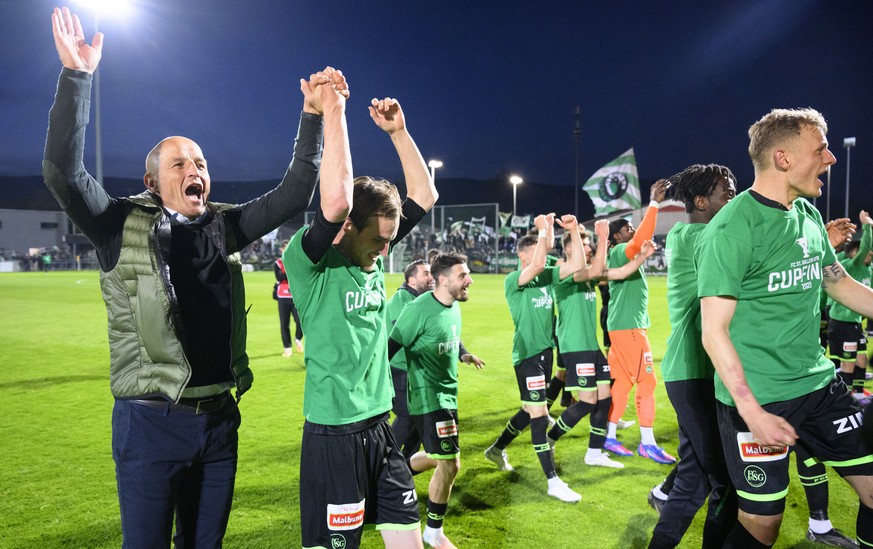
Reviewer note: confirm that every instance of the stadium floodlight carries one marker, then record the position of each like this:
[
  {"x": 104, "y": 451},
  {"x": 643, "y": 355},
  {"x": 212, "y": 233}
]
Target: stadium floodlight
[
  {"x": 848, "y": 143},
  {"x": 516, "y": 181},
  {"x": 114, "y": 9},
  {"x": 107, "y": 8},
  {"x": 433, "y": 165}
]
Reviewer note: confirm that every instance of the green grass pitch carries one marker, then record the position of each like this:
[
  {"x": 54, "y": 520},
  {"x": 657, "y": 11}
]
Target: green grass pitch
[{"x": 57, "y": 475}]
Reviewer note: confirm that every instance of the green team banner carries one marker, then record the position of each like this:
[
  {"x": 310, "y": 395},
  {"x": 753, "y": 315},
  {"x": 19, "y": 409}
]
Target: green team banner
[{"x": 615, "y": 186}]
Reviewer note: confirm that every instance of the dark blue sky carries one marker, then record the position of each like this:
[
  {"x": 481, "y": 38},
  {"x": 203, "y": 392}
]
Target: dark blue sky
[{"x": 488, "y": 87}]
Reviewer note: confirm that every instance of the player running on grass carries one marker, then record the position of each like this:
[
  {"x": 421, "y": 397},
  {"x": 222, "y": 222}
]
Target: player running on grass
[
  {"x": 429, "y": 330},
  {"x": 418, "y": 280}
]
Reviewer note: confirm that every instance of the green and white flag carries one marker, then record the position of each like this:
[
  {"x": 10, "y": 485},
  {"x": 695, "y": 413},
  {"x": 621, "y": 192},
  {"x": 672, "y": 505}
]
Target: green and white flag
[{"x": 615, "y": 186}]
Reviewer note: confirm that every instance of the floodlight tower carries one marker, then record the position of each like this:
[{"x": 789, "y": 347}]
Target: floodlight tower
[
  {"x": 516, "y": 181},
  {"x": 848, "y": 143},
  {"x": 433, "y": 165},
  {"x": 101, "y": 7}
]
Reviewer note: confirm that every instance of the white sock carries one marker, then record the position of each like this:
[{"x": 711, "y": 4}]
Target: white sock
[
  {"x": 555, "y": 481},
  {"x": 647, "y": 436},
  {"x": 429, "y": 532},
  {"x": 659, "y": 493},
  {"x": 820, "y": 526},
  {"x": 610, "y": 429},
  {"x": 593, "y": 453}
]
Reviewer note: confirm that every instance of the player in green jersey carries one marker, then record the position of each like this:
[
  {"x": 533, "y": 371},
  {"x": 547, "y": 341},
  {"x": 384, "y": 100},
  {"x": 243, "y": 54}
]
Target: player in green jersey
[
  {"x": 587, "y": 371},
  {"x": 351, "y": 472},
  {"x": 630, "y": 354},
  {"x": 760, "y": 264},
  {"x": 846, "y": 340},
  {"x": 417, "y": 280},
  {"x": 688, "y": 372},
  {"x": 429, "y": 329},
  {"x": 530, "y": 302},
  {"x": 840, "y": 233}
]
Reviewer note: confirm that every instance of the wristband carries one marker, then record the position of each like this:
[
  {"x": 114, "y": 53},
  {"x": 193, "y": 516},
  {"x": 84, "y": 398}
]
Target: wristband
[
  {"x": 653, "y": 204},
  {"x": 542, "y": 236}
]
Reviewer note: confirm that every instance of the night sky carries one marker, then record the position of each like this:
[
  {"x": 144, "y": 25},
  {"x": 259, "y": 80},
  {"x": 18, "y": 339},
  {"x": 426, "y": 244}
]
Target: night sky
[{"x": 489, "y": 88}]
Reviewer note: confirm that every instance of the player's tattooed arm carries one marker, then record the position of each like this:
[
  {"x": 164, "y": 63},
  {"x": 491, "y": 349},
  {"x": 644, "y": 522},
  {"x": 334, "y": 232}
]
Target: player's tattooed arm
[
  {"x": 848, "y": 291},
  {"x": 832, "y": 274}
]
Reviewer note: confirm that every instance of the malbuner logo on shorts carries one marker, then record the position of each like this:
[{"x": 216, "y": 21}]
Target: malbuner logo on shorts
[
  {"x": 345, "y": 516},
  {"x": 446, "y": 429},
  {"x": 752, "y": 451}
]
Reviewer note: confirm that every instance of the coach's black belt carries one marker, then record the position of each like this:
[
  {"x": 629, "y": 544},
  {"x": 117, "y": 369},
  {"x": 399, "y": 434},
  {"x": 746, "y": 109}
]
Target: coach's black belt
[{"x": 205, "y": 405}]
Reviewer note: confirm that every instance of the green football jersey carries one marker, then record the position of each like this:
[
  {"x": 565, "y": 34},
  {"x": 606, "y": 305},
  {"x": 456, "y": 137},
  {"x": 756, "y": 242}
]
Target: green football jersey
[
  {"x": 342, "y": 309},
  {"x": 577, "y": 313},
  {"x": 857, "y": 270},
  {"x": 396, "y": 304},
  {"x": 769, "y": 260},
  {"x": 628, "y": 298},
  {"x": 532, "y": 310},
  {"x": 685, "y": 357},
  {"x": 430, "y": 333}
]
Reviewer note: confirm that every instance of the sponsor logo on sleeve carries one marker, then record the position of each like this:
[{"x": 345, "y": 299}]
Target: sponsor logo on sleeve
[
  {"x": 752, "y": 451},
  {"x": 345, "y": 516},
  {"x": 585, "y": 369},
  {"x": 446, "y": 429},
  {"x": 755, "y": 476},
  {"x": 535, "y": 383},
  {"x": 647, "y": 359}
]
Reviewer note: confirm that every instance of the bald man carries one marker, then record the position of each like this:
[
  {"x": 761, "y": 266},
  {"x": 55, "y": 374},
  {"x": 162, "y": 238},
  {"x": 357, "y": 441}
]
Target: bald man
[{"x": 172, "y": 281}]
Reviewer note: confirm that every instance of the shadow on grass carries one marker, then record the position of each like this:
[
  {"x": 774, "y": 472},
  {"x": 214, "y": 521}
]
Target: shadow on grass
[
  {"x": 636, "y": 534},
  {"x": 48, "y": 381},
  {"x": 104, "y": 533}
]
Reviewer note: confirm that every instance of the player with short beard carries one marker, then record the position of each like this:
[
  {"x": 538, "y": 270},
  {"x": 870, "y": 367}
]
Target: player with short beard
[{"x": 429, "y": 331}]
